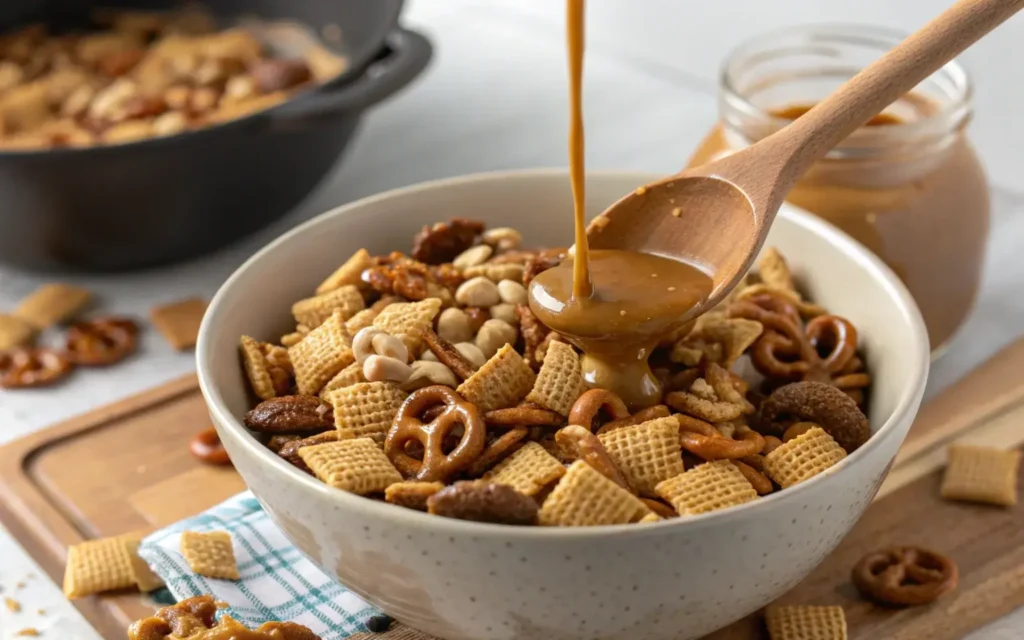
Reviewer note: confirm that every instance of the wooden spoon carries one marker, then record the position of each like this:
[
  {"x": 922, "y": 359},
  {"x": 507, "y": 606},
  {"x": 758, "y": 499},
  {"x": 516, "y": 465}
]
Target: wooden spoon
[{"x": 718, "y": 215}]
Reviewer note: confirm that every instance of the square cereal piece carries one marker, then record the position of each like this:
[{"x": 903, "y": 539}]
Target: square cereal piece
[
  {"x": 357, "y": 466},
  {"x": 774, "y": 271},
  {"x": 803, "y": 457},
  {"x": 349, "y": 273},
  {"x": 584, "y": 497},
  {"x": 14, "y": 332},
  {"x": 806, "y": 623},
  {"x": 502, "y": 382},
  {"x": 981, "y": 474},
  {"x": 529, "y": 470},
  {"x": 143, "y": 576},
  {"x": 51, "y": 304},
  {"x": 255, "y": 363},
  {"x": 179, "y": 321},
  {"x": 560, "y": 381},
  {"x": 360, "y": 320},
  {"x": 407, "y": 319},
  {"x": 366, "y": 409},
  {"x": 313, "y": 311},
  {"x": 646, "y": 454},
  {"x": 210, "y": 554},
  {"x": 96, "y": 566},
  {"x": 350, "y": 375},
  {"x": 412, "y": 494},
  {"x": 707, "y": 487},
  {"x": 321, "y": 355}
]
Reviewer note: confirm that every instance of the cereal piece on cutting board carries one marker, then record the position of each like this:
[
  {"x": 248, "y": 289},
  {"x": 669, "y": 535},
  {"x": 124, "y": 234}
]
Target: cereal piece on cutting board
[
  {"x": 179, "y": 321},
  {"x": 806, "y": 623},
  {"x": 51, "y": 304},
  {"x": 210, "y": 554},
  {"x": 14, "y": 332},
  {"x": 98, "y": 565},
  {"x": 981, "y": 474}
]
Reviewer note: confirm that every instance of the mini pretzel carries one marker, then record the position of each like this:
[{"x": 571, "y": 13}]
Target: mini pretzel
[
  {"x": 589, "y": 449},
  {"x": 590, "y": 403},
  {"x": 904, "y": 575},
  {"x": 660, "y": 508},
  {"x": 641, "y": 416},
  {"x": 498, "y": 450},
  {"x": 837, "y": 337},
  {"x": 783, "y": 350},
  {"x": 703, "y": 440},
  {"x": 523, "y": 415},
  {"x": 408, "y": 427},
  {"x": 447, "y": 354},
  {"x": 206, "y": 446},
  {"x": 101, "y": 341},
  {"x": 762, "y": 485},
  {"x": 32, "y": 368}
]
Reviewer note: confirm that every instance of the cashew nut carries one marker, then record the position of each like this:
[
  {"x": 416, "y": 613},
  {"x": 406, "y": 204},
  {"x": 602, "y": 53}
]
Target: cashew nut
[
  {"x": 477, "y": 292},
  {"x": 471, "y": 352},
  {"x": 506, "y": 312},
  {"x": 502, "y": 238},
  {"x": 454, "y": 326},
  {"x": 495, "y": 334},
  {"x": 380, "y": 368},
  {"x": 371, "y": 341},
  {"x": 473, "y": 256},
  {"x": 512, "y": 292},
  {"x": 426, "y": 373}
]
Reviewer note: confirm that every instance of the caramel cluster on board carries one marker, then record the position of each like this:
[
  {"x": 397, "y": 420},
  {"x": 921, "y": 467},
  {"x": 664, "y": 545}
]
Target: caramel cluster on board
[
  {"x": 425, "y": 380},
  {"x": 195, "y": 619},
  {"x": 141, "y": 74}
]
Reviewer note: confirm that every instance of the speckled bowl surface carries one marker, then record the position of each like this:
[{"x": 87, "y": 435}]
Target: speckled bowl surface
[{"x": 458, "y": 580}]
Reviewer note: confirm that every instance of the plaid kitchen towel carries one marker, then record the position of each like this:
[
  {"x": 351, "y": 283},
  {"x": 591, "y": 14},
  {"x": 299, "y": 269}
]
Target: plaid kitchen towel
[{"x": 277, "y": 581}]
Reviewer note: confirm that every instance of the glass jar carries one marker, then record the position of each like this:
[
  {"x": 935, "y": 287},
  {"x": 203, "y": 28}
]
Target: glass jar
[{"x": 907, "y": 185}]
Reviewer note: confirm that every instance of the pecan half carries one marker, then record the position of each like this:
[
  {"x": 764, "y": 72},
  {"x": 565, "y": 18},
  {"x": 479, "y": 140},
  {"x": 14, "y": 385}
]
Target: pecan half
[
  {"x": 443, "y": 241},
  {"x": 482, "y": 501},
  {"x": 278, "y": 75},
  {"x": 542, "y": 261},
  {"x": 533, "y": 331},
  {"x": 412, "y": 280},
  {"x": 291, "y": 414},
  {"x": 290, "y": 450}
]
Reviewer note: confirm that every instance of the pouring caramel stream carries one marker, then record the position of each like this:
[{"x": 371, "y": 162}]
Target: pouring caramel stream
[{"x": 614, "y": 305}]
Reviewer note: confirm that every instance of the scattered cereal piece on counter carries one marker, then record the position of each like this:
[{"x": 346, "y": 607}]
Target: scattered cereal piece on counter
[
  {"x": 707, "y": 487},
  {"x": 560, "y": 380},
  {"x": 584, "y": 497},
  {"x": 981, "y": 474},
  {"x": 366, "y": 409},
  {"x": 647, "y": 454},
  {"x": 12, "y": 605},
  {"x": 51, "y": 304},
  {"x": 98, "y": 565},
  {"x": 803, "y": 457},
  {"x": 529, "y": 470},
  {"x": 502, "y": 382},
  {"x": 806, "y": 623},
  {"x": 142, "y": 575},
  {"x": 319, "y": 356},
  {"x": 179, "y": 321},
  {"x": 27, "y": 632},
  {"x": 15, "y": 332},
  {"x": 358, "y": 465},
  {"x": 210, "y": 554}
]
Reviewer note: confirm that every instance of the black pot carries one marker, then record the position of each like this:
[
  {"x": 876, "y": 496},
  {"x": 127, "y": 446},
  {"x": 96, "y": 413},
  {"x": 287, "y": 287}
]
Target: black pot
[{"x": 160, "y": 200}]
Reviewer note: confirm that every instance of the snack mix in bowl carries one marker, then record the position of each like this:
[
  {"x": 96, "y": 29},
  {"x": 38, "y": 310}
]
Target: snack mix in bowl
[{"x": 425, "y": 380}]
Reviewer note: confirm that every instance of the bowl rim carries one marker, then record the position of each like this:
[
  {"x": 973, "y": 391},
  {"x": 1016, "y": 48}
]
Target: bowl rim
[{"x": 881, "y": 273}]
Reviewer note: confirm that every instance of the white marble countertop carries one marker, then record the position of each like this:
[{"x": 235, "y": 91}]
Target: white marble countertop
[{"x": 494, "y": 98}]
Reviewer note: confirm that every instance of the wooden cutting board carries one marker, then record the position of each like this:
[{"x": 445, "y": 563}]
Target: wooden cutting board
[{"x": 126, "y": 467}]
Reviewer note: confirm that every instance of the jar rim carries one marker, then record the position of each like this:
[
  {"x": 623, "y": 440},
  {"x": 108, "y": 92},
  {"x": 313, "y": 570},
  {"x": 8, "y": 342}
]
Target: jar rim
[{"x": 953, "y": 111}]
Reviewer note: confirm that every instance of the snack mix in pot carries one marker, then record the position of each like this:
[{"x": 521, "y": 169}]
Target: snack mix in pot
[
  {"x": 141, "y": 75},
  {"x": 425, "y": 380}
]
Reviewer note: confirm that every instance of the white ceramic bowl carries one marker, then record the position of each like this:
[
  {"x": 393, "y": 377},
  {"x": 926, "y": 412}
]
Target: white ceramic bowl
[{"x": 460, "y": 580}]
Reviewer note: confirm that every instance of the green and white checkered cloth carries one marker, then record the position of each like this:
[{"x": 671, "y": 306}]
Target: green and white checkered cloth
[{"x": 277, "y": 581}]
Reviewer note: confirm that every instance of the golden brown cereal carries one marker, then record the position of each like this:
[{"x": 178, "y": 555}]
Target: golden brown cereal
[
  {"x": 560, "y": 381},
  {"x": 736, "y": 335},
  {"x": 360, "y": 320},
  {"x": 348, "y": 273},
  {"x": 12, "y": 605},
  {"x": 321, "y": 355},
  {"x": 584, "y": 497},
  {"x": 774, "y": 271},
  {"x": 179, "y": 321},
  {"x": 357, "y": 466},
  {"x": 27, "y": 632},
  {"x": 806, "y": 623},
  {"x": 256, "y": 368},
  {"x": 981, "y": 474},
  {"x": 98, "y": 565},
  {"x": 528, "y": 470},
  {"x": 142, "y": 575},
  {"x": 803, "y": 457},
  {"x": 51, "y": 304},
  {"x": 350, "y": 375},
  {"x": 502, "y": 382},
  {"x": 647, "y": 454},
  {"x": 407, "y": 320},
  {"x": 412, "y": 494},
  {"x": 496, "y": 272},
  {"x": 313, "y": 311},
  {"x": 366, "y": 409},
  {"x": 650, "y": 517},
  {"x": 14, "y": 332},
  {"x": 707, "y": 487},
  {"x": 210, "y": 554}
]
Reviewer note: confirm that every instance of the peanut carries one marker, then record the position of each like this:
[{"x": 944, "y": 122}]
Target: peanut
[
  {"x": 380, "y": 368},
  {"x": 473, "y": 256},
  {"x": 503, "y": 238},
  {"x": 170, "y": 123},
  {"x": 472, "y": 353},
  {"x": 477, "y": 292},
  {"x": 506, "y": 312},
  {"x": 426, "y": 373},
  {"x": 494, "y": 335},
  {"x": 512, "y": 292},
  {"x": 372, "y": 341},
  {"x": 454, "y": 326}
]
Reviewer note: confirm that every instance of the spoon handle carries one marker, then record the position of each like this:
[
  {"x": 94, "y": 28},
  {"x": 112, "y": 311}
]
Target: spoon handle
[{"x": 884, "y": 81}]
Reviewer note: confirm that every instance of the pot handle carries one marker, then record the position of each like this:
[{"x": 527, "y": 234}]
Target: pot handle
[{"x": 405, "y": 54}]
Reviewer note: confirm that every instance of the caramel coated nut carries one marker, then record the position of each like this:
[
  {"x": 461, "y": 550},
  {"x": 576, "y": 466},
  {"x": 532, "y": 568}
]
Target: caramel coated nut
[
  {"x": 381, "y": 368},
  {"x": 482, "y": 501},
  {"x": 454, "y": 326},
  {"x": 477, "y": 292},
  {"x": 512, "y": 292},
  {"x": 502, "y": 238},
  {"x": 290, "y": 450},
  {"x": 495, "y": 334},
  {"x": 444, "y": 241},
  {"x": 278, "y": 75},
  {"x": 905, "y": 575},
  {"x": 425, "y": 373},
  {"x": 473, "y": 256},
  {"x": 821, "y": 404},
  {"x": 505, "y": 312},
  {"x": 291, "y": 414},
  {"x": 38, "y": 367},
  {"x": 101, "y": 341}
]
